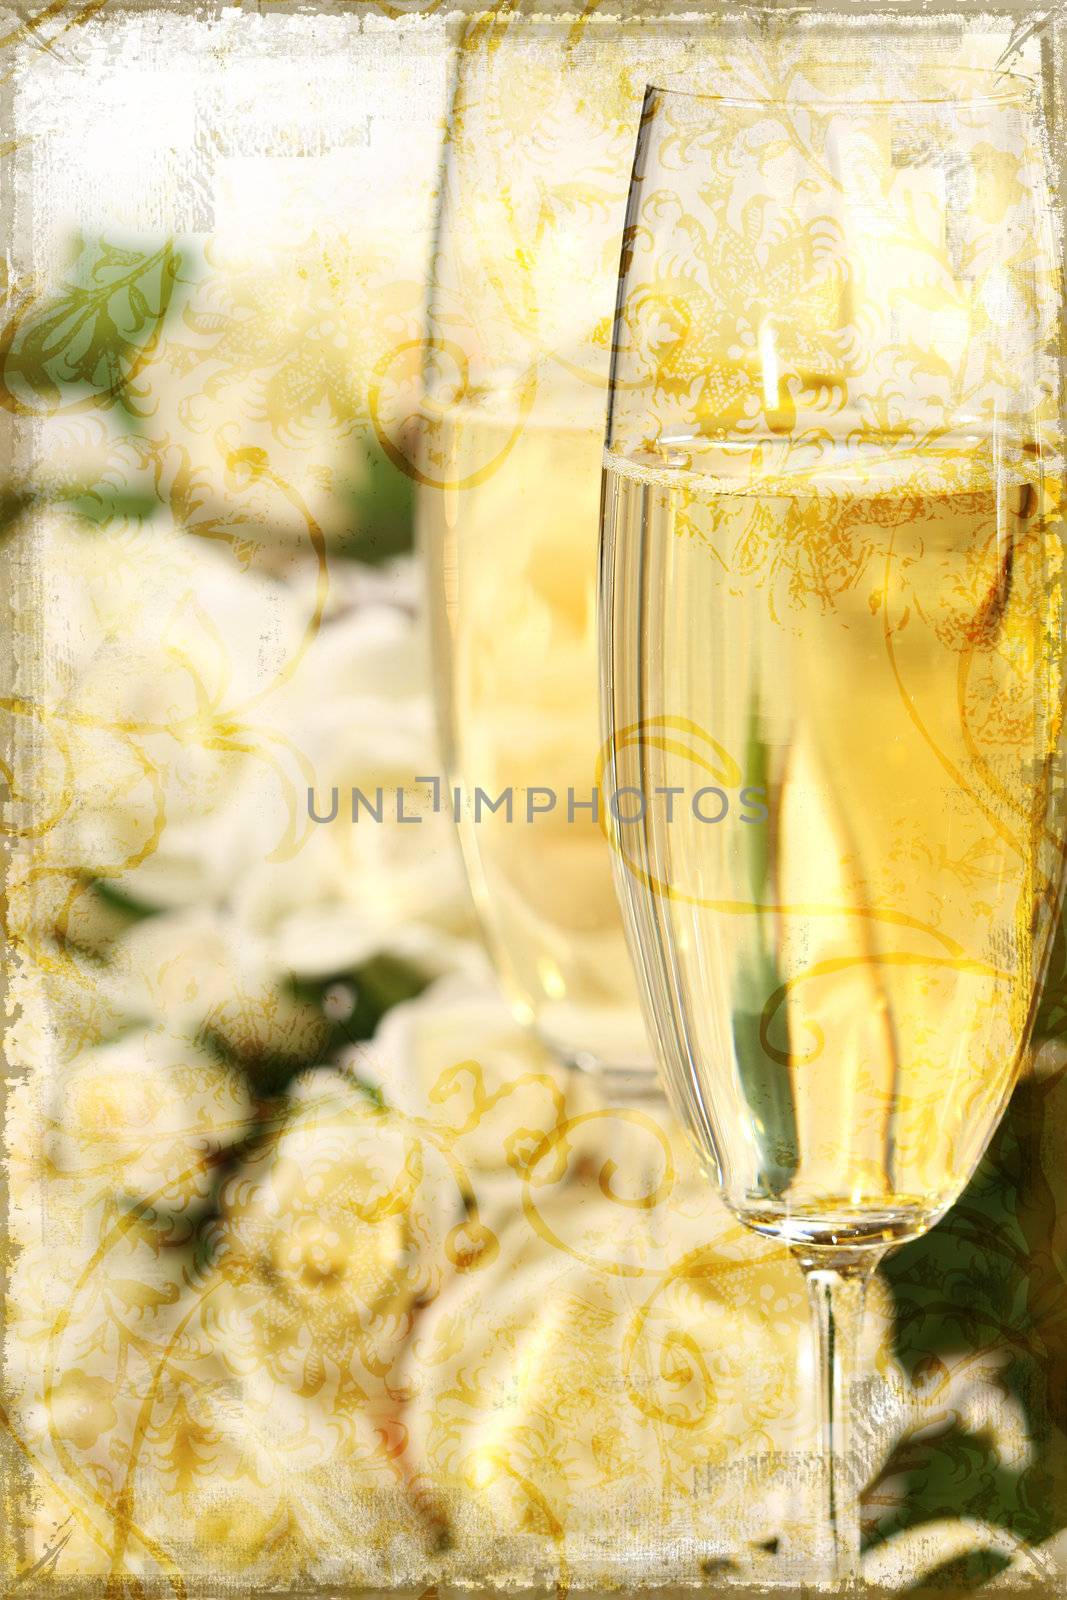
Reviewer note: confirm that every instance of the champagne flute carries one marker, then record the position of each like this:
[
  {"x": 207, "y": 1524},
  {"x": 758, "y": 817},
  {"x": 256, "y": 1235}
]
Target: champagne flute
[
  {"x": 513, "y": 406},
  {"x": 832, "y": 653}
]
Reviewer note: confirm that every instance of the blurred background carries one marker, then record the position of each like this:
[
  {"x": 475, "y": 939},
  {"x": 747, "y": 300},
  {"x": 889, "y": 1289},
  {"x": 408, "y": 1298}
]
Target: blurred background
[{"x": 320, "y": 1268}]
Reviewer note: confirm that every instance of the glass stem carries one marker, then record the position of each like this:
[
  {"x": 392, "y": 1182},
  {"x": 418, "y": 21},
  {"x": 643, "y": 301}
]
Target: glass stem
[{"x": 836, "y": 1296}]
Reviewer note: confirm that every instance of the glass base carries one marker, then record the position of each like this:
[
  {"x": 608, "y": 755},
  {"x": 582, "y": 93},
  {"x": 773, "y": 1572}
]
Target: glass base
[
  {"x": 830, "y": 1234},
  {"x": 600, "y": 1041},
  {"x": 621, "y": 1081}
]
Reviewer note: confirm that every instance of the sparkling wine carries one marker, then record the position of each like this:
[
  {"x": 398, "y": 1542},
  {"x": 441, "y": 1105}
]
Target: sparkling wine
[
  {"x": 510, "y": 535},
  {"x": 867, "y": 643}
]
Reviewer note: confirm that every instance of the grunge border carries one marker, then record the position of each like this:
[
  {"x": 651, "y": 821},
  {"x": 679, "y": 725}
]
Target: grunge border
[{"x": 27, "y": 31}]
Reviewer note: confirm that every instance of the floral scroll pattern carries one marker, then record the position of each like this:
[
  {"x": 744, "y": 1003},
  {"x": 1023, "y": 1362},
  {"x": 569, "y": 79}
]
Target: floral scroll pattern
[{"x": 320, "y": 1270}]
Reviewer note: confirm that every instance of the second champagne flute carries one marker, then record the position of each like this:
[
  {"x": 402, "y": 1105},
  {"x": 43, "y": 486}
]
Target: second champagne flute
[{"x": 513, "y": 406}]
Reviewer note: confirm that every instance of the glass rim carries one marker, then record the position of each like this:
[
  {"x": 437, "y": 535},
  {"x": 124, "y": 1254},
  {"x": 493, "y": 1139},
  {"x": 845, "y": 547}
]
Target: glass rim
[{"x": 1016, "y": 89}]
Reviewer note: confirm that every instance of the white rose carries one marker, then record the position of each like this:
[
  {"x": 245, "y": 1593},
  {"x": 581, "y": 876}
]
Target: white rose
[
  {"x": 203, "y": 972},
  {"x": 168, "y": 653},
  {"x": 558, "y": 1391},
  {"x": 146, "y": 1115},
  {"x": 330, "y": 1239},
  {"x": 457, "y": 1057},
  {"x": 359, "y": 714}
]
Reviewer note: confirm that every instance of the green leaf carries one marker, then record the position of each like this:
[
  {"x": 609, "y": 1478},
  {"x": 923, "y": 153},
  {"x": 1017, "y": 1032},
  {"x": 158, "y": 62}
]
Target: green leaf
[
  {"x": 117, "y": 899},
  {"x": 985, "y": 1281},
  {"x": 955, "y": 1474},
  {"x": 81, "y": 346},
  {"x": 381, "y": 499},
  {"x": 101, "y": 504},
  {"x": 966, "y": 1573},
  {"x": 379, "y": 984},
  {"x": 269, "y": 1072},
  {"x": 1051, "y": 1019}
]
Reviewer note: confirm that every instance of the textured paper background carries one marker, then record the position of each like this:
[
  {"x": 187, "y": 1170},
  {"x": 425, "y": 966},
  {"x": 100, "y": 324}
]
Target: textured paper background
[{"x": 319, "y": 1272}]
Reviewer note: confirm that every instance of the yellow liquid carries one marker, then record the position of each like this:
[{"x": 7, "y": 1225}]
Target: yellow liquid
[
  {"x": 510, "y": 540},
  {"x": 841, "y": 992}
]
